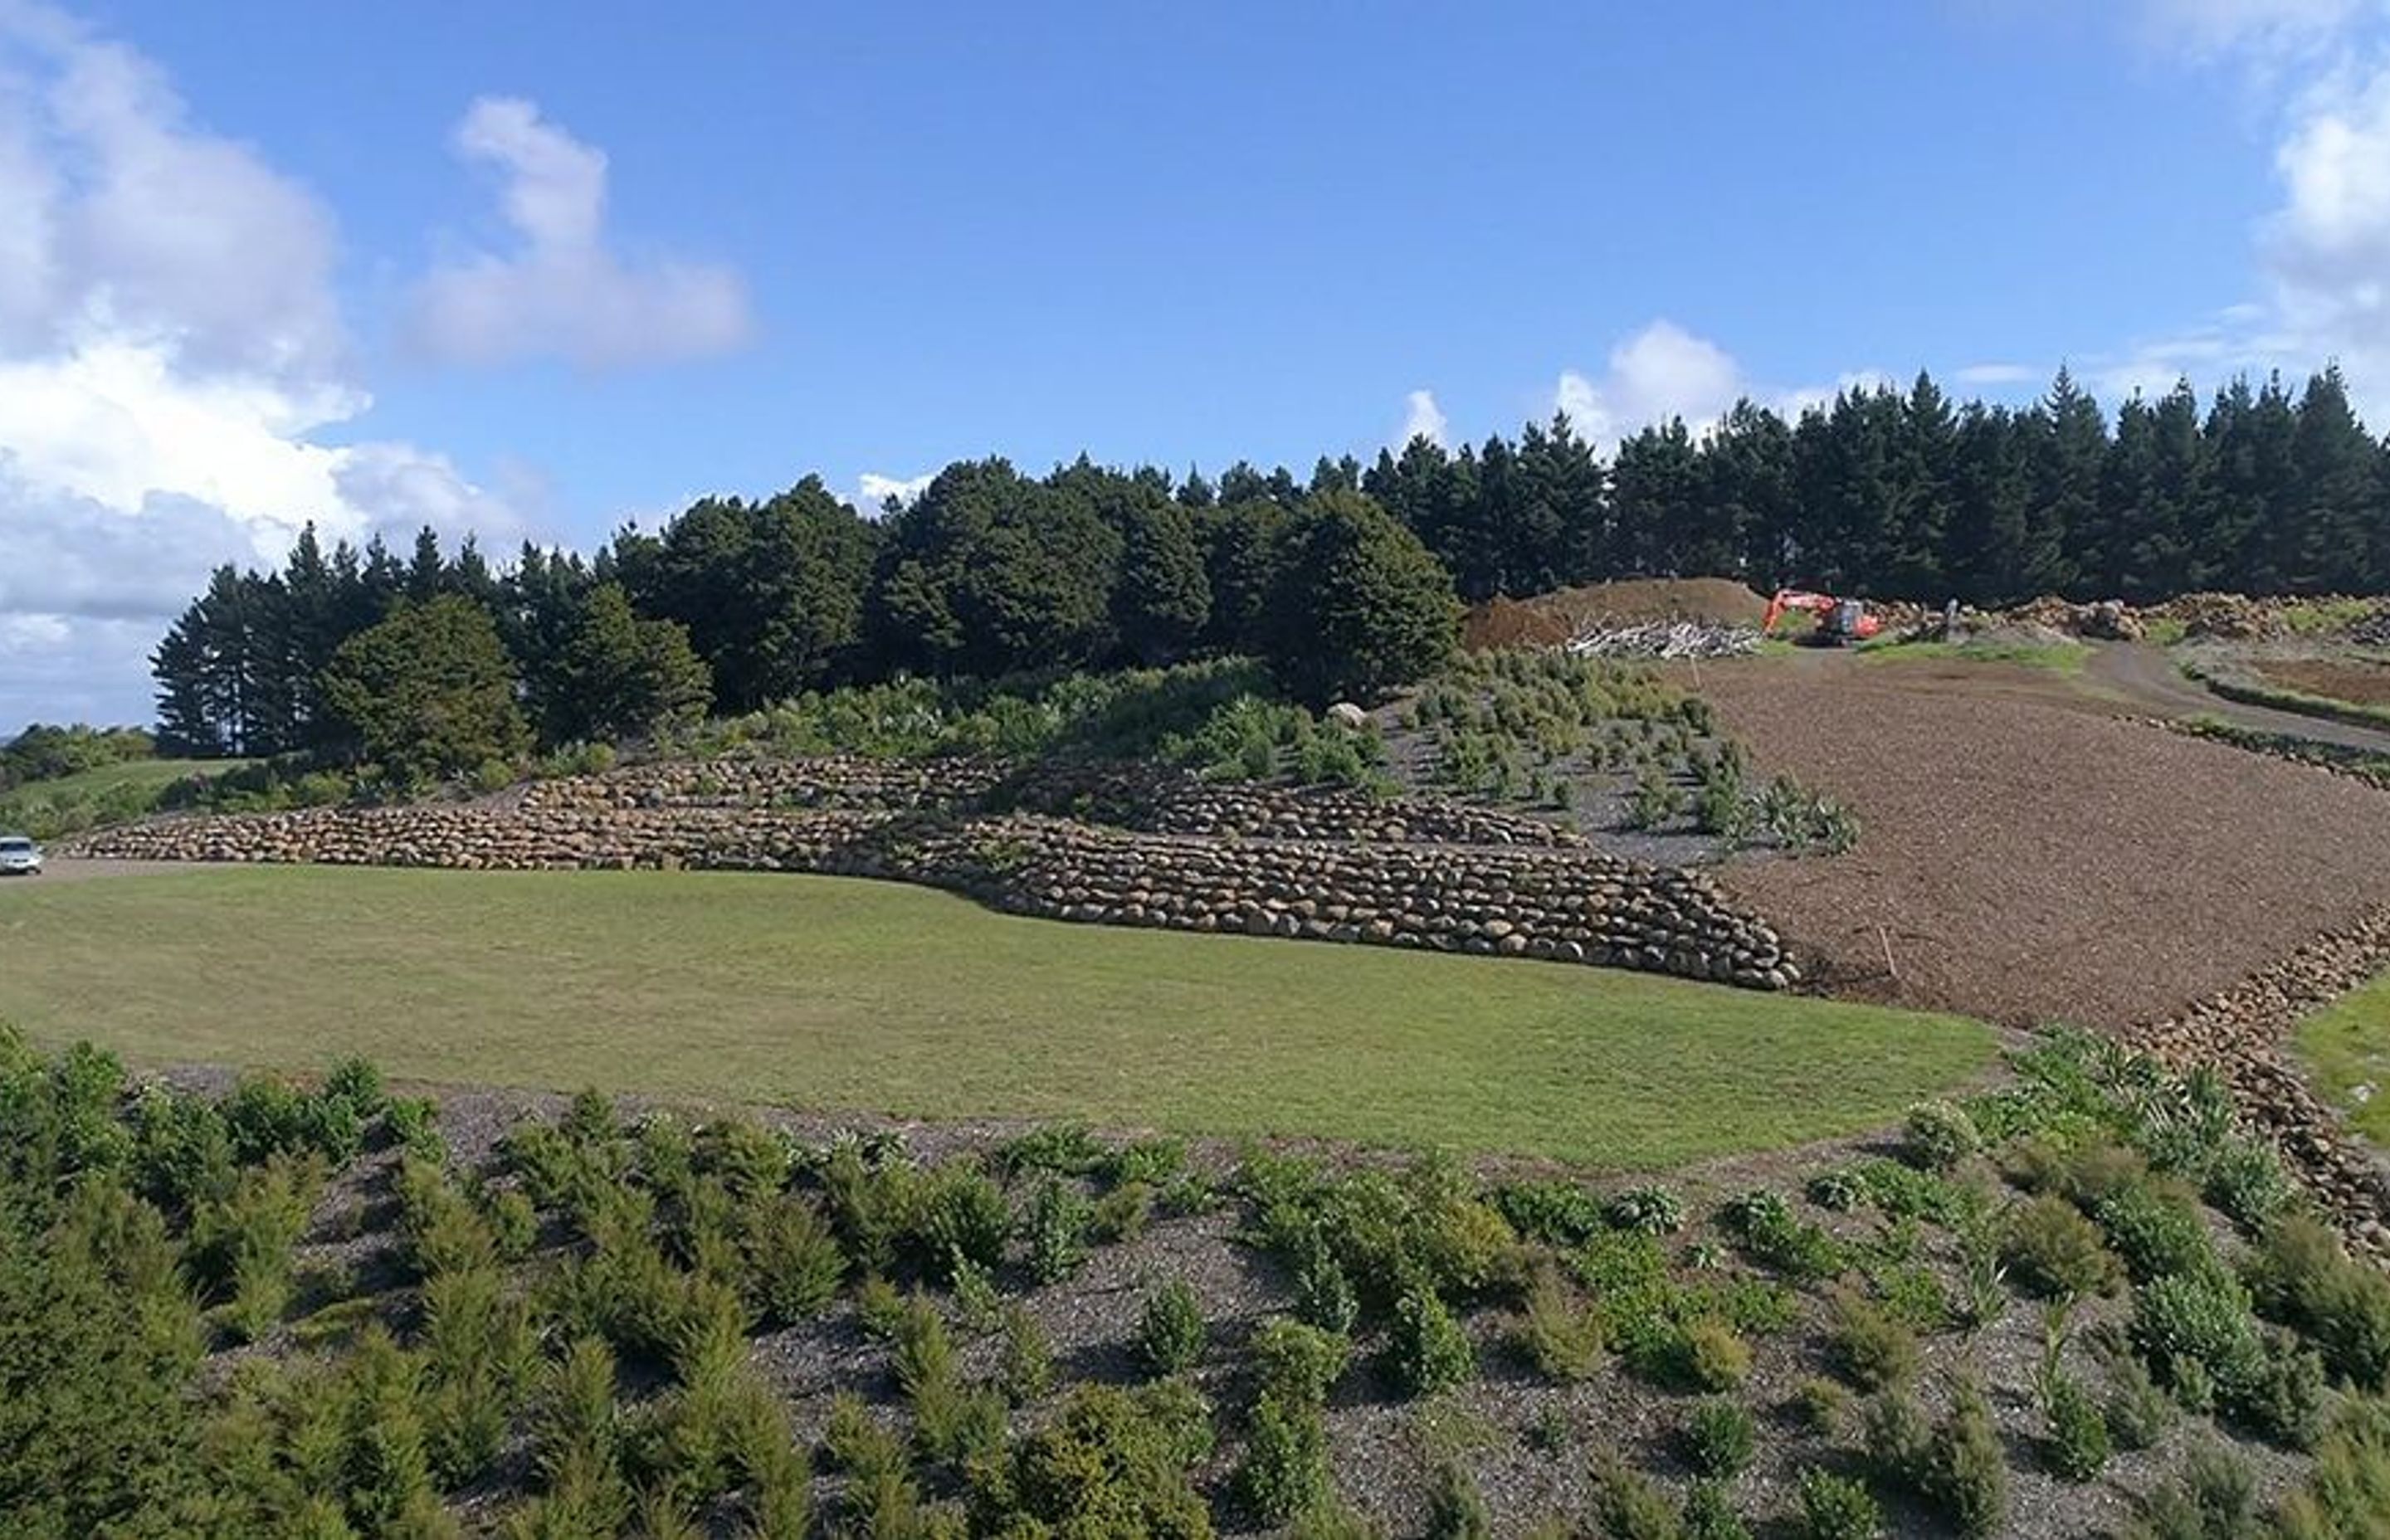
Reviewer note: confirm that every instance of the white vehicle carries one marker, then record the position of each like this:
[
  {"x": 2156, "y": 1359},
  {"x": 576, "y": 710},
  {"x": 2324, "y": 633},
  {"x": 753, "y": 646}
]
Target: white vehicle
[{"x": 19, "y": 856}]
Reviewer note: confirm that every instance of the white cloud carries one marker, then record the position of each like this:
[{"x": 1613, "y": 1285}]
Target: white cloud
[
  {"x": 873, "y": 490},
  {"x": 1997, "y": 374},
  {"x": 1423, "y": 419},
  {"x": 170, "y": 345},
  {"x": 1664, "y": 371},
  {"x": 2270, "y": 32},
  {"x": 563, "y": 293}
]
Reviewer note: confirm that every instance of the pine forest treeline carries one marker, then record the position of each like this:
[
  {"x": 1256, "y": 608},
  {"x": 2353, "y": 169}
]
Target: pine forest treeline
[{"x": 1343, "y": 582}]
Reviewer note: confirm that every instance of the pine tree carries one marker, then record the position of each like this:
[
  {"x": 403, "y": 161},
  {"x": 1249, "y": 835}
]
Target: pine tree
[
  {"x": 428, "y": 692},
  {"x": 623, "y": 677}
]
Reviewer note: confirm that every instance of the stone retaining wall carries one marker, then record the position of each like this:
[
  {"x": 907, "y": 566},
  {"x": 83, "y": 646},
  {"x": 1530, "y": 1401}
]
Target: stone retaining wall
[
  {"x": 2241, "y": 1034},
  {"x": 1151, "y": 797},
  {"x": 1565, "y": 904}
]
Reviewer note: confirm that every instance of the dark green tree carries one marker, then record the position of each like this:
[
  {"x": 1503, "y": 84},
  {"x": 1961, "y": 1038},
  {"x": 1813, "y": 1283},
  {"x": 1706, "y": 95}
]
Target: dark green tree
[
  {"x": 619, "y": 677},
  {"x": 1362, "y": 608},
  {"x": 428, "y": 692},
  {"x": 989, "y": 572}
]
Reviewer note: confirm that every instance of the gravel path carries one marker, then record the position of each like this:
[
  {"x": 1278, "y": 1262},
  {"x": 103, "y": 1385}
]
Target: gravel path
[
  {"x": 2148, "y": 678},
  {"x": 68, "y": 868},
  {"x": 2025, "y": 859}
]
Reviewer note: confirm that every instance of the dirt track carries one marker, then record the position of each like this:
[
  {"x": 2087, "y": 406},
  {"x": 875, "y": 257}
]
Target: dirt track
[
  {"x": 61, "y": 868},
  {"x": 2146, "y": 677},
  {"x": 2031, "y": 858}
]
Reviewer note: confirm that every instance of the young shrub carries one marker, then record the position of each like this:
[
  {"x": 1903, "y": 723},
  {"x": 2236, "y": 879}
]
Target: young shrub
[
  {"x": 1821, "y": 1407},
  {"x": 2055, "y": 1252},
  {"x": 2216, "y": 1494},
  {"x": 1629, "y": 1506},
  {"x": 1710, "y": 1515},
  {"x": 1557, "y": 1214},
  {"x": 976, "y": 1299},
  {"x": 1170, "y": 1334},
  {"x": 1938, "y": 1135},
  {"x": 1647, "y": 1211},
  {"x": 2348, "y": 1490},
  {"x": 963, "y": 1213},
  {"x": 750, "y": 1161},
  {"x": 794, "y": 1264},
  {"x": 2157, "y": 1231},
  {"x": 920, "y": 1349},
  {"x": 1026, "y": 1367},
  {"x": 1555, "y": 1333},
  {"x": 2246, "y": 1179},
  {"x": 1298, "y": 1362},
  {"x": 239, "y": 1246},
  {"x": 2302, "y": 1276},
  {"x": 1835, "y": 1508},
  {"x": 1058, "y": 1221},
  {"x": 2283, "y": 1400},
  {"x": 1427, "y": 1350},
  {"x": 2136, "y": 1412},
  {"x": 2075, "y": 1435},
  {"x": 1898, "y": 1438},
  {"x": 1718, "y": 1437},
  {"x": 1968, "y": 1479},
  {"x": 1335, "y": 1521},
  {"x": 1123, "y": 1213},
  {"x": 1456, "y": 1507},
  {"x": 879, "y": 1307},
  {"x": 1867, "y": 1347},
  {"x": 1284, "y": 1471},
  {"x": 1839, "y": 1190},
  {"x": 1710, "y": 1355},
  {"x": 1323, "y": 1293},
  {"x": 858, "y": 1446},
  {"x": 1108, "y": 1462},
  {"x": 2197, "y": 1333},
  {"x": 956, "y": 1424}
]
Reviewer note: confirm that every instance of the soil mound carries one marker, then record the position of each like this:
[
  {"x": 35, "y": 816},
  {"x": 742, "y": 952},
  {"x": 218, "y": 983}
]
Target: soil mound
[
  {"x": 1550, "y": 619},
  {"x": 2029, "y": 861}
]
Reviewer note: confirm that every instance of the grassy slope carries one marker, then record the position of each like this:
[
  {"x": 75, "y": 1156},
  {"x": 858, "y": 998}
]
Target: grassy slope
[
  {"x": 2347, "y": 1045},
  {"x": 133, "y": 786},
  {"x": 2057, "y": 657},
  {"x": 854, "y": 995}
]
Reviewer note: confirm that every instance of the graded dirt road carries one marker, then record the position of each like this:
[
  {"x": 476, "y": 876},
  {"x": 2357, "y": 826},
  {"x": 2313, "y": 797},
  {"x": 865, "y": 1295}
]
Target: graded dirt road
[
  {"x": 62, "y": 868},
  {"x": 2028, "y": 856},
  {"x": 2146, "y": 677}
]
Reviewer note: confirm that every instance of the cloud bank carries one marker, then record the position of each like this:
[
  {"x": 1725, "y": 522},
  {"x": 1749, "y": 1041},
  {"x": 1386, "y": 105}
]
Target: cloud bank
[
  {"x": 563, "y": 291},
  {"x": 170, "y": 342}
]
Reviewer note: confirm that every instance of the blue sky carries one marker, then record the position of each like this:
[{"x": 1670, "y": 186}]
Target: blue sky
[{"x": 533, "y": 269}]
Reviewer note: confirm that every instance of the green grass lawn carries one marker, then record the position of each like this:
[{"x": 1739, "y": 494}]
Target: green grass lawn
[
  {"x": 2346, "y": 1046},
  {"x": 843, "y": 995}
]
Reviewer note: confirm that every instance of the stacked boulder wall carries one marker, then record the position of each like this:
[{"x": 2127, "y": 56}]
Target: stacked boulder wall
[
  {"x": 1154, "y": 799},
  {"x": 1559, "y": 902},
  {"x": 2240, "y": 1035}
]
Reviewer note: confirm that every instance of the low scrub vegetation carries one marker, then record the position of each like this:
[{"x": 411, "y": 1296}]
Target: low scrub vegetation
[{"x": 214, "y": 1322}]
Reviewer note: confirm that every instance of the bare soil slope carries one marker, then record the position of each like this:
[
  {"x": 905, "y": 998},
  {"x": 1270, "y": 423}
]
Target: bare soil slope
[
  {"x": 1549, "y": 619},
  {"x": 2030, "y": 860}
]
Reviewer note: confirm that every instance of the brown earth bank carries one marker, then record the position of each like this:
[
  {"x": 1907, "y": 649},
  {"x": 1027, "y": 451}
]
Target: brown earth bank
[
  {"x": 2362, "y": 680},
  {"x": 2028, "y": 860},
  {"x": 1549, "y": 619}
]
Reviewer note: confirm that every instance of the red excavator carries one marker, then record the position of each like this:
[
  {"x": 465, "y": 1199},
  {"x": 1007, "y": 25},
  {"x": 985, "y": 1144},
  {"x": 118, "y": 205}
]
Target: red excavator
[{"x": 1840, "y": 621}]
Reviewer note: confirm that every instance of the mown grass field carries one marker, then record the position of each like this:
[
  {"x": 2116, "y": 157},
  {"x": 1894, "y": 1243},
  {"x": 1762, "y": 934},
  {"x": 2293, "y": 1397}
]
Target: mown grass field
[
  {"x": 2346, "y": 1047},
  {"x": 843, "y": 995}
]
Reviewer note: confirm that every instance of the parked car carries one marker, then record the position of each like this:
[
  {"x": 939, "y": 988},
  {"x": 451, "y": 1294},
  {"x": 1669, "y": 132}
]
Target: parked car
[{"x": 19, "y": 856}]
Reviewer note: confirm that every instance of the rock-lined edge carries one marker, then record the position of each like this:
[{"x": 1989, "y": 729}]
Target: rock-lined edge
[
  {"x": 1559, "y": 904},
  {"x": 2242, "y": 1034}
]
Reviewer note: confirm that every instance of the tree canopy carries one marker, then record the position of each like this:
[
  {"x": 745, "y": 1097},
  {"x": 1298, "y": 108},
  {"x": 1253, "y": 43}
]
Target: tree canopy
[{"x": 1344, "y": 581}]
